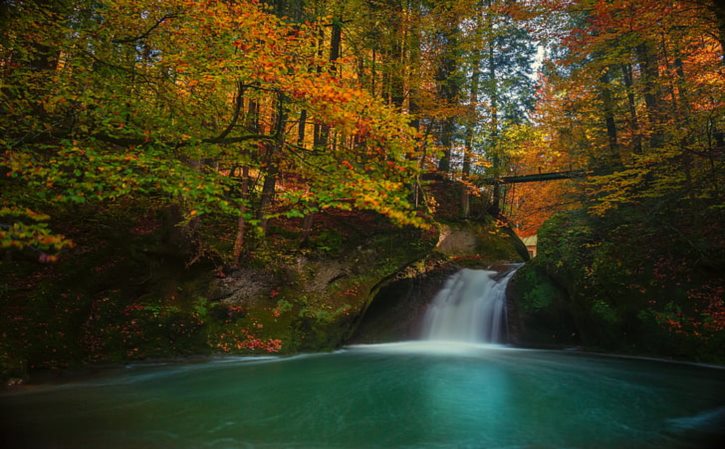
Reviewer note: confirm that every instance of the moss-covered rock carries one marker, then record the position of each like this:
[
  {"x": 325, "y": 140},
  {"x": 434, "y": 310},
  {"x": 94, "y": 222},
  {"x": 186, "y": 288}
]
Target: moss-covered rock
[
  {"x": 330, "y": 294},
  {"x": 487, "y": 242},
  {"x": 539, "y": 311},
  {"x": 397, "y": 310},
  {"x": 633, "y": 283}
]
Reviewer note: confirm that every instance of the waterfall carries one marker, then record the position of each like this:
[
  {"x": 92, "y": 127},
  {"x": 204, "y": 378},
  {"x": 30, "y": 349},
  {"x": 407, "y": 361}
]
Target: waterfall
[{"x": 471, "y": 307}]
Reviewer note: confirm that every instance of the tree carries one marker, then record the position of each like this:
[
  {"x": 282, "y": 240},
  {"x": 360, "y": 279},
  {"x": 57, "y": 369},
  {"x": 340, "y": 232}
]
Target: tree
[
  {"x": 643, "y": 88},
  {"x": 633, "y": 96},
  {"x": 176, "y": 101}
]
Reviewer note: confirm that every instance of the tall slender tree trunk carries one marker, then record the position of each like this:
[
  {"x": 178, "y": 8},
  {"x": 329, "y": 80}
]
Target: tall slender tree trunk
[
  {"x": 682, "y": 115},
  {"x": 307, "y": 223},
  {"x": 241, "y": 222},
  {"x": 251, "y": 119},
  {"x": 448, "y": 90},
  {"x": 446, "y": 139},
  {"x": 685, "y": 108},
  {"x": 301, "y": 128},
  {"x": 397, "y": 66},
  {"x": 632, "y": 107},
  {"x": 251, "y": 124},
  {"x": 271, "y": 168},
  {"x": 495, "y": 209},
  {"x": 385, "y": 76},
  {"x": 650, "y": 78},
  {"x": 373, "y": 71},
  {"x": 472, "y": 119},
  {"x": 320, "y": 131},
  {"x": 336, "y": 39},
  {"x": 413, "y": 64},
  {"x": 608, "y": 109}
]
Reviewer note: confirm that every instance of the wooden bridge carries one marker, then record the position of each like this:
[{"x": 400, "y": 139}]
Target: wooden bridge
[{"x": 537, "y": 177}]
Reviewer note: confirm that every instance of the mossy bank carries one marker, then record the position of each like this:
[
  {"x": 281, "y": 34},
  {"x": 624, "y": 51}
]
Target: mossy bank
[
  {"x": 633, "y": 284},
  {"x": 133, "y": 295}
]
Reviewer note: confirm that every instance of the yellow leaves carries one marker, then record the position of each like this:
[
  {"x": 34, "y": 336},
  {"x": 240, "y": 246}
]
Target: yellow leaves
[{"x": 12, "y": 211}]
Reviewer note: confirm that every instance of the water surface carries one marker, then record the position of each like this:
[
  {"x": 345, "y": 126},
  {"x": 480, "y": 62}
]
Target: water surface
[{"x": 403, "y": 395}]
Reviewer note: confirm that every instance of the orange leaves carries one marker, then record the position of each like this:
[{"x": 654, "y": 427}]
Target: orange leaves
[
  {"x": 362, "y": 128},
  {"x": 241, "y": 45},
  {"x": 246, "y": 341},
  {"x": 322, "y": 89}
]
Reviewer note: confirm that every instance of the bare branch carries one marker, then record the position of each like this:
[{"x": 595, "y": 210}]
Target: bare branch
[
  {"x": 145, "y": 34},
  {"x": 238, "y": 102}
]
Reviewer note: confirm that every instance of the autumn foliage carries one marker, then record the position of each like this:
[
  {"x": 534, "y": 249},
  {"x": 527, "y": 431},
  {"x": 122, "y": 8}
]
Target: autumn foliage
[{"x": 183, "y": 101}]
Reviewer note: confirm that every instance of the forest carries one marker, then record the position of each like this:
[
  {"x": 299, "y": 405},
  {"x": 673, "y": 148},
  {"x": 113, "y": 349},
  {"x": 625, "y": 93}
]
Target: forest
[
  {"x": 362, "y": 224},
  {"x": 147, "y": 142}
]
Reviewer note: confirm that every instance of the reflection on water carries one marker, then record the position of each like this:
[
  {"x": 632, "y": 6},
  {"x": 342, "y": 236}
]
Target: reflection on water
[{"x": 403, "y": 395}]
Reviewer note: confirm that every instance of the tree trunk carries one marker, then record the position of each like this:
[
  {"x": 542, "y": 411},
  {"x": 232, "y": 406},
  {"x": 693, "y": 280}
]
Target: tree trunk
[
  {"x": 272, "y": 165},
  {"x": 301, "y": 128},
  {"x": 336, "y": 39},
  {"x": 472, "y": 119},
  {"x": 307, "y": 226},
  {"x": 446, "y": 139},
  {"x": 373, "y": 69},
  {"x": 608, "y": 107},
  {"x": 448, "y": 91},
  {"x": 495, "y": 208},
  {"x": 413, "y": 65},
  {"x": 241, "y": 222},
  {"x": 632, "y": 106},
  {"x": 682, "y": 85},
  {"x": 650, "y": 79},
  {"x": 251, "y": 120},
  {"x": 397, "y": 66},
  {"x": 320, "y": 131}
]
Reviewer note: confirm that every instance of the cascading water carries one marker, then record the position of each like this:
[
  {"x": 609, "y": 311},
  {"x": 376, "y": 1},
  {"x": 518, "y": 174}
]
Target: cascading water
[{"x": 471, "y": 308}]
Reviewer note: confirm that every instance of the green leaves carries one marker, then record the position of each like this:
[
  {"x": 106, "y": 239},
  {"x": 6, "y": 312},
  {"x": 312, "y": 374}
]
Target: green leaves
[{"x": 24, "y": 228}]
